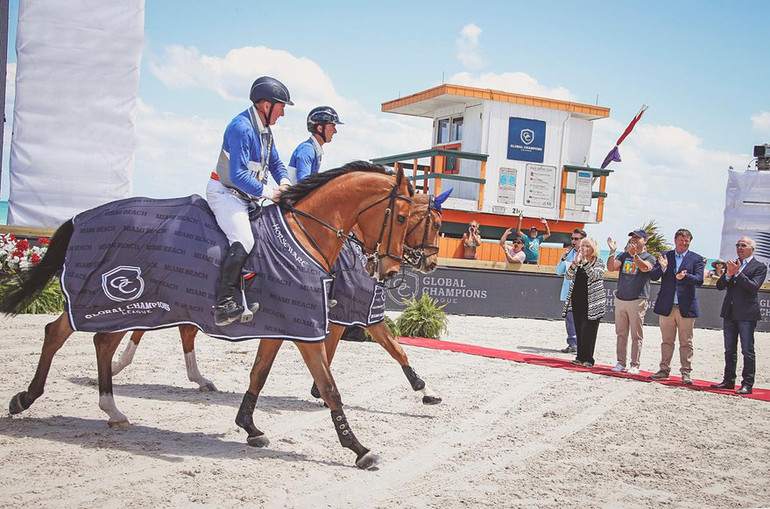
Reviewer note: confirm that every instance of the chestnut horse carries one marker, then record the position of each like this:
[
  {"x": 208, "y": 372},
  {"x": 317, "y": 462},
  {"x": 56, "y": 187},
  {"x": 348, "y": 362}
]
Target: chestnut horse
[
  {"x": 420, "y": 251},
  {"x": 320, "y": 211}
]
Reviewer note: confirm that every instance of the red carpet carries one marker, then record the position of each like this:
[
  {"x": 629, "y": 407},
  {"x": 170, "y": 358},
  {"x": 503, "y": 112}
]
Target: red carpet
[{"x": 552, "y": 362}]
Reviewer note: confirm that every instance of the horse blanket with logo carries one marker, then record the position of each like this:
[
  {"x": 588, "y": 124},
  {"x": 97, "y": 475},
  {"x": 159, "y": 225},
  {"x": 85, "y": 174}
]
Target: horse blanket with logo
[
  {"x": 142, "y": 263},
  {"x": 360, "y": 299}
]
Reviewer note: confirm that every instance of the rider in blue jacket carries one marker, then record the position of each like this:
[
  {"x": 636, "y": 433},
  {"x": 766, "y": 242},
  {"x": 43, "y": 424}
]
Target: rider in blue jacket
[
  {"x": 322, "y": 124},
  {"x": 248, "y": 154}
]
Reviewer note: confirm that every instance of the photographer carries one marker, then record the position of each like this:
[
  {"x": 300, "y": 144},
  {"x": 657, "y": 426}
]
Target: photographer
[{"x": 471, "y": 240}]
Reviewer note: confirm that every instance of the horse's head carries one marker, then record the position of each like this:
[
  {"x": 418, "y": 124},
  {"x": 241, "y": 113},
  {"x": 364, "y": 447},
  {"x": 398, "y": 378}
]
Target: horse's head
[
  {"x": 421, "y": 243},
  {"x": 324, "y": 207},
  {"x": 383, "y": 223}
]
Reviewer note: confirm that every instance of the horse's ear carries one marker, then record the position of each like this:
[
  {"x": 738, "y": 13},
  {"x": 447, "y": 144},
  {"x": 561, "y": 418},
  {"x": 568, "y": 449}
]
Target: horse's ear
[{"x": 402, "y": 182}]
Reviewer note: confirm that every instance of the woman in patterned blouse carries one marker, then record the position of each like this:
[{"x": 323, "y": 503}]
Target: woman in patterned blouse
[{"x": 586, "y": 298}]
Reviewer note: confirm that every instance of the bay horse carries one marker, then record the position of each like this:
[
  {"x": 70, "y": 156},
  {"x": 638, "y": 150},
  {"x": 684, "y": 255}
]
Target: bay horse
[
  {"x": 420, "y": 251},
  {"x": 319, "y": 211}
]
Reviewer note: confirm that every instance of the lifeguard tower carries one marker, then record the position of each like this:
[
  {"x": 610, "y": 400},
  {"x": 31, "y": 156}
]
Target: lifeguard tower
[{"x": 505, "y": 154}]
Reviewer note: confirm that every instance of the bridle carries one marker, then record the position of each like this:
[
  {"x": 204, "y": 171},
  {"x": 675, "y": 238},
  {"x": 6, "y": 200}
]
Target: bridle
[
  {"x": 372, "y": 253},
  {"x": 413, "y": 255}
]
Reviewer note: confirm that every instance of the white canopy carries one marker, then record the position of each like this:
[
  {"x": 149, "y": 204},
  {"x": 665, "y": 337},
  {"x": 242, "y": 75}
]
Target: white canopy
[{"x": 77, "y": 82}]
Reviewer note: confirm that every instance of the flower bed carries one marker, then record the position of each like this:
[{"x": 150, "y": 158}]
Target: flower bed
[{"x": 17, "y": 256}]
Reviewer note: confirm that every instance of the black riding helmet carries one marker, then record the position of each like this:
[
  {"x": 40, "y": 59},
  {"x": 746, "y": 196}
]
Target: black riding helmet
[
  {"x": 270, "y": 90},
  {"x": 320, "y": 116}
]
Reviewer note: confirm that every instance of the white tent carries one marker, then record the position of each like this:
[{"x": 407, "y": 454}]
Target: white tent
[
  {"x": 77, "y": 83},
  {"x": 747, "y": 213}
]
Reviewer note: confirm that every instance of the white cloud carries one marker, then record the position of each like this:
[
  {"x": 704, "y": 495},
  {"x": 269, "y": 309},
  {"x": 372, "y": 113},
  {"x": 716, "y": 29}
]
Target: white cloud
[
  {"x": 761, "y": 122},
  {"x": 231, "y": 76},
  {"x": 515, "y": 82},
  {"x": 469, "y": 48}
]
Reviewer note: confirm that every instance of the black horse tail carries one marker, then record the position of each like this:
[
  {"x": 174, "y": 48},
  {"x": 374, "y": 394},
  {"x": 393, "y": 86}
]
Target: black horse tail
[{"x": 36, "y": 279}]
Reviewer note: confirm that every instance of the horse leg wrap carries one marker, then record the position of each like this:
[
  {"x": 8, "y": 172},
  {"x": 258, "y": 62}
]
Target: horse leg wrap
[
  {"x": 345, "y": 434},
  {"x": 245, "y": 421},
  {"x": 417, "y": 383}
]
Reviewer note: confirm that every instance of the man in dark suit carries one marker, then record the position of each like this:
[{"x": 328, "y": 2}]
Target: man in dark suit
[
  {"x": 680, "y": 271},
  {"x": 740, "y": 311}
]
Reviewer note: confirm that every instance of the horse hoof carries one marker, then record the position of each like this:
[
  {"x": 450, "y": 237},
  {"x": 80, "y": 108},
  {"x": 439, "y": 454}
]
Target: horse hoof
[
  {"x": 431, "y": 400},
  {"x": 18, "y": 404},
  {"x": 208, "y": 387},
  {"x": 367, "y": 461},
  {"x": 122, "y": 424},
  {"x": 258, "y": 441},
  {"x": 315, "y": 392}
]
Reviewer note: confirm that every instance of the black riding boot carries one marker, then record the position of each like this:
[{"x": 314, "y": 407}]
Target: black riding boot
[{"x": 227, "y": 309}]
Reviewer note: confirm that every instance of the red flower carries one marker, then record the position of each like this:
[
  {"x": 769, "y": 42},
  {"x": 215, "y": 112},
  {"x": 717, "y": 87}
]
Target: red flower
[
  {"x": 18, "y": 254},
  {"x": 22, "y": 245},
  {"x": 44, "y": 241},
  {"x": 35, "y": 258}
]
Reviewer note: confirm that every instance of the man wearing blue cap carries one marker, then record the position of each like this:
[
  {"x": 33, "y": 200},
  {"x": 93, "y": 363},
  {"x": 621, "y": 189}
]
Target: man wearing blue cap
[{"x": 631, "y": 297}]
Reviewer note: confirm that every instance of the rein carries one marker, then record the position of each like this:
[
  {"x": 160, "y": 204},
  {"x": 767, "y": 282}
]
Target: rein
[
  {"x": 372, "y": 253},
  {"x": 414, "y": 255}
]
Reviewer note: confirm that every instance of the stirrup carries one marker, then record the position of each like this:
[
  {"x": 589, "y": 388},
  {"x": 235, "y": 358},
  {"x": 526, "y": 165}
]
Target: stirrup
[
  {"x": 248, "y": 310},
  {"x": 227, "y": 312}
]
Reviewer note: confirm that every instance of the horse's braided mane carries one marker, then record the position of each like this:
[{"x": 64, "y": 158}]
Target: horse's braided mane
[{"x": 296, "y": 192}]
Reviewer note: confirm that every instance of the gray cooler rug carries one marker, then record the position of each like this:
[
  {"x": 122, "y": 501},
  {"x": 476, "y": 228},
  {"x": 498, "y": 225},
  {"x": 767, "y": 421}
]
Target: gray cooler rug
[
  {"x": 360, "y": 299},
  {"x": 142, "y": 263}
]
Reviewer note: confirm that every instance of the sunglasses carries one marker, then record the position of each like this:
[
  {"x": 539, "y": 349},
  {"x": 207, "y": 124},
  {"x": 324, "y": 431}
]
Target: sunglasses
[{"x": 741, "y": 244}]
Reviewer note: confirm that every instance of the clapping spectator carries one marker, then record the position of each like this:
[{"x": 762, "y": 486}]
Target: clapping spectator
[
  {"x": 740, "y": 313},
  {"x": 586, "y": 298},
  {"x": 631, "y": 297},
  {"x": 680, "y": 272}
]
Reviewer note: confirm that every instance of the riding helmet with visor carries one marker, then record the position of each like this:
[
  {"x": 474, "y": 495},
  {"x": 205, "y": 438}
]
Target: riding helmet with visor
[
  {"x": 270, "y": 90},
  {"x": 320, "y": 116}
]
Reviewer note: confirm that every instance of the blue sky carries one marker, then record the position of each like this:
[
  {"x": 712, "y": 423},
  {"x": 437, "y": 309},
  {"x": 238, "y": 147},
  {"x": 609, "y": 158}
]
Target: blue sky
[{"x": 702, "y": 67}]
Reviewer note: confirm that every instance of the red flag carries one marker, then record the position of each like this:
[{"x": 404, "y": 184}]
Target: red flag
[
  {"x": 614, "y": 154},
  {"x": 631, "y": 125}
]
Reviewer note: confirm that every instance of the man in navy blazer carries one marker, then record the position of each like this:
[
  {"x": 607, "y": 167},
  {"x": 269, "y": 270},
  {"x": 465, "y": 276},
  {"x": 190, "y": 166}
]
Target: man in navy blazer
[
  {"x": 740, "y": 313},
  {"x": 680, "y": 271}
]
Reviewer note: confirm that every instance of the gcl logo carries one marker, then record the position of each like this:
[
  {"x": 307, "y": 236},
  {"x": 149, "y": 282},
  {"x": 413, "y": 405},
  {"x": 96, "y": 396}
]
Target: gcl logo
[
  {"x": 527, "y": 136},
  {"x": 407, "y": 289},
  {"x": 123, "y": 283}
]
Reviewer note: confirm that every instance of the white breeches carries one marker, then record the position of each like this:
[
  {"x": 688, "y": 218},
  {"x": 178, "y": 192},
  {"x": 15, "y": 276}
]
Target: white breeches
[{"x": 232, "y": 213}]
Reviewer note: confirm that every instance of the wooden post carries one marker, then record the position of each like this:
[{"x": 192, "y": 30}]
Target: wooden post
[
  {"x": 600, "y": 206},
  {"x": 562, "y": 194},
  {"x": 440, "y": 170},
  {"x": 481, "y": 185},
  {"x": 438, "y": 161}
]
